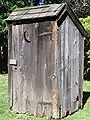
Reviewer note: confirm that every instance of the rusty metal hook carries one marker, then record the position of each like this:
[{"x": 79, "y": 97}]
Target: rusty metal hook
[{"x": 28, "y": 41}]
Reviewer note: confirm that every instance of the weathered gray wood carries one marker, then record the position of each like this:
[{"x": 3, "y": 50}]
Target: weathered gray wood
[
  {"x": 82, "y": 71},
  {"x": 81, "y": 68},
  {"x": 67, "y": 71},
  {"x": 72, "y": 67},
  {"x": 70, "y": 70},
  {"x": 62, "y": 69},
  {"x": 14, "y": 72},
  {"x": 75, "y": 70},
  {"x": 10, "y": 78},
  {"x": 33, "y": 59},
  {"x": 69, "y": 66},
  {"x": 21, "y": 76},
  {"x": 58, "y": 66},
  {"x": 45, "y": 69}
]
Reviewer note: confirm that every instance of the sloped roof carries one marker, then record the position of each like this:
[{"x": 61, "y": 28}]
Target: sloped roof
[
  {"x": 35, "y": 12},
  {"x": 44, "y": 13}
]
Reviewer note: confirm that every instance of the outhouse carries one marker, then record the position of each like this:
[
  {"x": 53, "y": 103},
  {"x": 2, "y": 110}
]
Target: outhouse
[{"x": 46, "y": 51}]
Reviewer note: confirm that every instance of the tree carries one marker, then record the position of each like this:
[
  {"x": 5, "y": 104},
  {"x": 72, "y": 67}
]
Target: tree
[{"x": 86, "y": 24}]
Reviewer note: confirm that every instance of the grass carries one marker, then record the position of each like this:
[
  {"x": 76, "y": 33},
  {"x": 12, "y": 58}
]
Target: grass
[{"x": 6, "y": 114}]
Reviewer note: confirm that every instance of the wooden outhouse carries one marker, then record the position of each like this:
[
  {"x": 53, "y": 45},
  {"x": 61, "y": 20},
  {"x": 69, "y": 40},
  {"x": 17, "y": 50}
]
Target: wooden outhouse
[{"x": 46, "y": 51}]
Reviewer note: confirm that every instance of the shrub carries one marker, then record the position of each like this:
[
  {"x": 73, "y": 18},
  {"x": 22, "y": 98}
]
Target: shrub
[{"x": 86, "y": 23}]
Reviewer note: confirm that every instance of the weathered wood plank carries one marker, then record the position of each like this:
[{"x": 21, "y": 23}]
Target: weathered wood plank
[
  {"x": 58, "y": 66},
  {"x": 55, "y": 89},
  {"x": 10, "y": 78},
  {"x": 20, "y": 66},
  {"x": 15, "y": 76},
  {"x": 64, "y": 71},
  {"x": 69, "y": 65},
  {"x": 74, "y": 68},
  {"x": 65, "y": 59},
  {"x": 62, "y": 68},
  {"x": 67, "y": 72},
  {"x": 81, "y": 68},
  {"x": 45, "y": 67},
  {"x": 77, "y": 70},
  {"x": 73, "y": 88},
  {"x": 70, "y": 74},
  {"x": 28, "y": 70}
]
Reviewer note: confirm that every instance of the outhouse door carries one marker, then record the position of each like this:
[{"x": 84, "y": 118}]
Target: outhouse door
[
  {"x": 30, "y": 69},
  {"x": 23, "y": 60}
]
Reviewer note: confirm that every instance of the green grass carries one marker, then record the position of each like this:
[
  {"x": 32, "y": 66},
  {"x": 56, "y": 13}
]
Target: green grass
[{"x": 7, "y": 114}]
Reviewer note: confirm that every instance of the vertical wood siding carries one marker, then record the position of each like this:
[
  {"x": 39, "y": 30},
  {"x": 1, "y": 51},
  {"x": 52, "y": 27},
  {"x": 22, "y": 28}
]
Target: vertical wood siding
[
  {"x": 70, "y": 66},
  {"x": 10, "y": 78}
]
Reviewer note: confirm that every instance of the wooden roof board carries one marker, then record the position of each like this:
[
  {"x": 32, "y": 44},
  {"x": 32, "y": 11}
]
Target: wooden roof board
[
  {"x": 30, "y": 8},
  {"x": 14, "y": 13},
  {"x": 34, "y": 11},
  {"x": 29, "y": 16},
  {"x": 10, "y": 18},
  {"x": 17, "y": 17},
  {"x": 45, "y": 14}
]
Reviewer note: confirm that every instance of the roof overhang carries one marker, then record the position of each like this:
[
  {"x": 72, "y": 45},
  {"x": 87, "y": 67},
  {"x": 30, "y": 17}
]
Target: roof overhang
[{"x": 50, "y": 12}]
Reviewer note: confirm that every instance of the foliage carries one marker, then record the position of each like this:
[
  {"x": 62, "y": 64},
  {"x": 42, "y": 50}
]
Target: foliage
[
  {"x": 3, "y": 51},
  {"x": 86, "y": 24},
  {"x": 7, "y": 114},
  {"x": 80, "y": 7}
]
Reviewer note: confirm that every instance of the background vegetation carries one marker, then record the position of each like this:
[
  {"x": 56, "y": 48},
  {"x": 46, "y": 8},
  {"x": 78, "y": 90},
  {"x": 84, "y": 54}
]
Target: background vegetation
[{"x": 86, "y": 24}]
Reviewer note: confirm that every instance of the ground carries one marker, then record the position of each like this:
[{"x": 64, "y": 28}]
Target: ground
[{"x": 7, "y": 114}]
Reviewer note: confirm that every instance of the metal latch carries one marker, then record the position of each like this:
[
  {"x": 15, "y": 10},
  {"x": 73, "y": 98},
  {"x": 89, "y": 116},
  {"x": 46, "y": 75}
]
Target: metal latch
[{"x": 13, "y": 62}]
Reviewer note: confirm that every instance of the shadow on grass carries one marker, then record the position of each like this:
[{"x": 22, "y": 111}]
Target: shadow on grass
[{"x": 86, "y": 95}]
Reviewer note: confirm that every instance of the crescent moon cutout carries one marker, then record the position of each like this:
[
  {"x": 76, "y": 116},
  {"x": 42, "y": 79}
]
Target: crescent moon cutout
[{"x": 28, "y": 41}]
